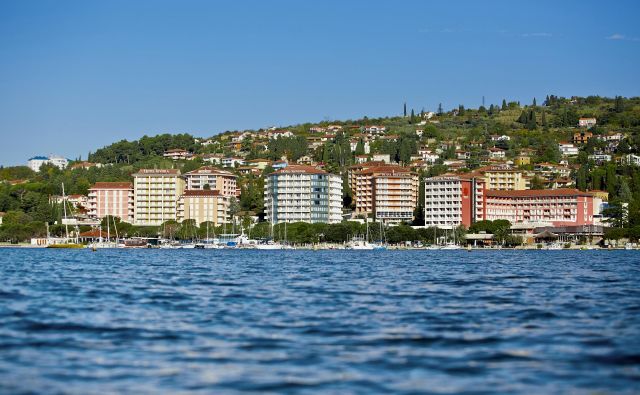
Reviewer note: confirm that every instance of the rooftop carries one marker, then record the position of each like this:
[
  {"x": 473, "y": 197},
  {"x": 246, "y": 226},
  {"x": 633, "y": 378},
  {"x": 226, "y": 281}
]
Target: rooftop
[
  {"x": 538, "y": 193},
  {"x": 112, "y": 185}
]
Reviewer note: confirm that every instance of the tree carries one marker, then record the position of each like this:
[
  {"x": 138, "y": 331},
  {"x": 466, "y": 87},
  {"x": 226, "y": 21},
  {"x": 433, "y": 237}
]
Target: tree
[
  {"x": 537, "y": 183},
  {"x": 544, "y": 120},
  {"x": 412, "y": 119},
  {"x": 440, "y": 111},
  {"x": 531, "y": 122},
  {"x": 504, "y": 105},
  {"x": 619, "y": 104},
  {"x": 534, "y": 102}
]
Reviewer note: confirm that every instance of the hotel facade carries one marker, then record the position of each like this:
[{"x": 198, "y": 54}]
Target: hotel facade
[
  {"x": 388, "y": 192},
  {"x": 451, "y": 201},
  {"x": 111, "y": 198},
  {"x": 156, "y": 196},
  {"x": 203, "y": 205},
  {"x": 216, "y": 179},
  {"x": 300, "y": 193}
]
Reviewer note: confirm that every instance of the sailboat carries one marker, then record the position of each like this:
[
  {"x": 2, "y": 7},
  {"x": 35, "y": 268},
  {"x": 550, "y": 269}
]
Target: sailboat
[
  {"x": 108, "y": 243},
  {"x": 451, "y": 245},
  {"x": 361, "y": 243},
  {"x": 67, "y": 242}
]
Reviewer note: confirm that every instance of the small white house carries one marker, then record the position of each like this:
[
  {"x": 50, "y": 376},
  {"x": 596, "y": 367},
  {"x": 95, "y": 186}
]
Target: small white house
[
  {"x": 587, "y": 122},
  {"x": 568, "y": 149}
]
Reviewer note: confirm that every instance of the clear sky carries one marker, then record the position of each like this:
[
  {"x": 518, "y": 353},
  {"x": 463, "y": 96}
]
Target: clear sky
[{"x": 77, "y": 75}]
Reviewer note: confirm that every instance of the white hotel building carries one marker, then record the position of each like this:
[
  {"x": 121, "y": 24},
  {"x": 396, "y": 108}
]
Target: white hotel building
[
  {"x": 156, "y": 196},
  {"x": 299, "y": 193}
]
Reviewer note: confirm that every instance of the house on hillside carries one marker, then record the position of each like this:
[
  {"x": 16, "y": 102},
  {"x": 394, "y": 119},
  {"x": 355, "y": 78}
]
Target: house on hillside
[
  {"x": 177, "y": 154},
  {"x": 587, "y": 122}
]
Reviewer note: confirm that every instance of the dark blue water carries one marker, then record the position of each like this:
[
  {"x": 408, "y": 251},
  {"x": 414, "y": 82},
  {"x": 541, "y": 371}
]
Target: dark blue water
[{"x": 197, "y": 321}]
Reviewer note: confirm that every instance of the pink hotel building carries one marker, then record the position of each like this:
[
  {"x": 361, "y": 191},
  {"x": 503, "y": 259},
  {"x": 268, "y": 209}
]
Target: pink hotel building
[
  {"x": 451, "y": 201},
  {"x": 111, "y": 198}
]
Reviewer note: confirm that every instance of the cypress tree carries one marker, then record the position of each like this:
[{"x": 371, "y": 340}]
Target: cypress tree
[
  {"x": 534, "y": 102},
  {"x": 531, "y": 123},
  {"x": 544, "y": 120},
  {"x": 440, "y": 112},
  {"x": 405, "y": 109},
  {"x": 413, "y": 116},
  {"x": 504, "y": 104},
  {"x": 523, "y": 118},
  {"x": 619, "y": 105}
]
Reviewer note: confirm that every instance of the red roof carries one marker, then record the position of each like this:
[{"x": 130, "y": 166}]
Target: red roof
[
  {"x": 210, "y": 170},
  {"x": 538, "y": 193},
  {"x": 112, "y": 185},
  {"x": 94, "y": 233},
  {"x": 393, "y": 169},
  {"x": 157, "y": 172},
  {"x": 299, "y": 169},
  {"x": 201, "y": 192}
]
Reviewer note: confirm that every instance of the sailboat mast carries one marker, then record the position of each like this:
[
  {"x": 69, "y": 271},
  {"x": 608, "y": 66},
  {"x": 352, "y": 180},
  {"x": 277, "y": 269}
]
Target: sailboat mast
[{"x": 64, "y": 209}]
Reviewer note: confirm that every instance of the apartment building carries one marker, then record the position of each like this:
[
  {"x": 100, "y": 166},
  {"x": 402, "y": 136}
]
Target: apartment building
[
  {"x": 301, "y": 193},
  {"x": 37, "y": 161},
  {"x": 451, "y": 201},
  {"x": 388, "y": 192},
  {"x": 111, "y": 198},
  {"x": 156, "y": 193},
  {"x": 216, "y": 179},
  {"x": 560, "y": 207},
  {"x": 503, "y": 178},
  {"x": 204, "y": 206}
]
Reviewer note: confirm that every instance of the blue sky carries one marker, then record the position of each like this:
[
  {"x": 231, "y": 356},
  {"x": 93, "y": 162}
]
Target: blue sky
[{"x": 77, "y": 75}]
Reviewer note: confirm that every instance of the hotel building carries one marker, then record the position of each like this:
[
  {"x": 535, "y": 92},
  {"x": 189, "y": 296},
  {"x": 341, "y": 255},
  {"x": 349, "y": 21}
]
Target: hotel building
[
  {"x": 218, "y": 180},
  {"x": 111, "y": 198},
  {"x": 388, "y": 192},
  {"x": 204, "y": 206},
  {"x": 503, "y": 178},
  {"x": 156, "y": 195},
  {"x": 451, "y": 201},
  {"x": 300, "y": 193},
  {"x": 560, "y": 207}
]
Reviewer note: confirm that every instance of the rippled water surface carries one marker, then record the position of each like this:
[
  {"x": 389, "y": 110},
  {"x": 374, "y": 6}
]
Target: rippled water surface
[{"x": 152, "y": 321}]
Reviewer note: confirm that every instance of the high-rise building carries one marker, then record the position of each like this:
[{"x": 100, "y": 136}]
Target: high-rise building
[
  {"x": 216, "y": 179},
  {"x": 203, "y": 205},
  {"x": 156, "y": 195},
  {"x": 111, "y": 198},
  {"x": 451, "y": 201},
  {"x": 389, "y": 192},
  {"x": 300, "y": 193}
]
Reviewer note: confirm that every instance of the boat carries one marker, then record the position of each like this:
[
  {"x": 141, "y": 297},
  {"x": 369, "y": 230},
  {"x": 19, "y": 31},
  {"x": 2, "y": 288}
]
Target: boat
[{"x": 451, "y": 246}]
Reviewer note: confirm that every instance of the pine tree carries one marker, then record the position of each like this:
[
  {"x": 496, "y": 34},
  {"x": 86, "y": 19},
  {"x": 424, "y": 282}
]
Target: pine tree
[{"x": 504, "y": 104}]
